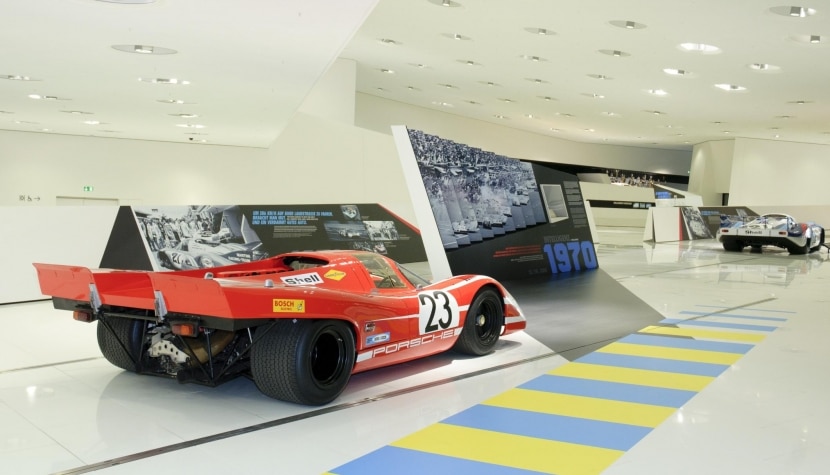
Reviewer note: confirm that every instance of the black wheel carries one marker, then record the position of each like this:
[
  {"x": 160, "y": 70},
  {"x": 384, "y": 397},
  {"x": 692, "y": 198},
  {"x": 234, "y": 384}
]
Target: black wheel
[
  {"x": 482, "y": 326},
  {"x": 304, "y": 361},
  {"x": 733, "y": 246},
  {"x": 120, "y": 341}
]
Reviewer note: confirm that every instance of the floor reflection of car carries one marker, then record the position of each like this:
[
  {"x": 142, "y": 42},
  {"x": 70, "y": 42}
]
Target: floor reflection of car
[{"x": 198, "y": 254}]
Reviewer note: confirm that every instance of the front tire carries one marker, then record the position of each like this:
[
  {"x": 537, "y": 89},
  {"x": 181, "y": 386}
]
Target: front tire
[
  {"x": 482, "y": 326},
  {"x": 117, "y": 334},
  {"x": 304, "y": 361}
]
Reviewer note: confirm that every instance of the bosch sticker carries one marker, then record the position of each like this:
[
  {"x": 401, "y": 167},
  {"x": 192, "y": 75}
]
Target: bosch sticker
[
  {"x": 289, "y": 306},
  {"x": 310, "y": 278},
  {"x": 437, "y": 310}
]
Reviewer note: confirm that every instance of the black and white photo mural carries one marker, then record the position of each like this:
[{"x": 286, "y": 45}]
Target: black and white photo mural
[{"x": 502, "y": 216}]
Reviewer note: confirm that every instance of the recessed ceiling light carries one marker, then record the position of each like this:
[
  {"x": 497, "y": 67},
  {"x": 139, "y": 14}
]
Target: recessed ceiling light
[
  {"x": 540, "y": 31},
  {"x": 601, "y": 77},
  {"x": 546, "y": 98},
  {"x": 554, "y": 129},
  {"x": 489, "y": 83},
  {"x": 191, "y": 126},
  {"x": 445, "y": 3},
  {"x": 387, "y": 71},
  {"x": 412, "y": 88},
  {"x": 507, "y": 100},
  {"x": 46, "y": 98},
  {"x": 535, "y": 59},
  {"x": 93, "y": 122},
  {"x": 564, "y": 114},
  {"x": 165, "y": 81},
  {"x": 627, "y": 24},
  {"x": 808, "y": 39},
  {"x": 610, "y": 114},
  {"x": 144, "y": 49},
  {"x": 785, "y": 117},
  {"x": 442, "y": 104},
  {"x": 388, "y": 41},
  {"x": 185, "y": 116},
  {"x": 173, "y": 101},
  {"x": 615, "y": 53},
  {"x": 594, "y": 95},
  {"x": 448, "y": 86},
  {"x": 473, "y": 103},
  {"x": 531, "y": 116},
  {"x": 658, "y": 92},
  {"x": 468, "y": 62},
  {"x": 456, "y": 36},
  {"x": 536, "y": 80},
  {"x": 815, "y": 39},
  {"x": 793, "y": 11},
  {"x": 730, "y": 87},
  {"x": 15, "y": 77},
  {"x": 677, "y": 72},
  {"x": 418, "y": 65},
  {"x": 77, "y": 112},
  {"x": 699, "y": 48},
  {"x": 800, "y": 103},
  {"x": 763, "y": 67},
  {"x": 502, "y": 117}
]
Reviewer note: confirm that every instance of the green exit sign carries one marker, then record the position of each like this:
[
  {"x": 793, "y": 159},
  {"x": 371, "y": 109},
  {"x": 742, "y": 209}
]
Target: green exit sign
[{"x": 89, "y": 188}]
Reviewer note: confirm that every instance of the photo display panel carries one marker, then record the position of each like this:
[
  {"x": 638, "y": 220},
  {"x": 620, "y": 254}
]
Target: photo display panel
[
  {"x": 500, "y": 216},
  {"x": 203, "y": 236}
]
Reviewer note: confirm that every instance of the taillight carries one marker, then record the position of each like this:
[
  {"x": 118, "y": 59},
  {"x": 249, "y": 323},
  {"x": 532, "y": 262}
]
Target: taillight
[
  {"x": 82, "y": 316},
  {"x": 184, "y": 329}
]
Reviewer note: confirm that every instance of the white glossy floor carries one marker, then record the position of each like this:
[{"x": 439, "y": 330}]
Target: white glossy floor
[{"x": 64, "y": 409}]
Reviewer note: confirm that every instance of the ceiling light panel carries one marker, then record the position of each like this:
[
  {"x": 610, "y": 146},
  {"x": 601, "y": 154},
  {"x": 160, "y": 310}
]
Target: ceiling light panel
[
  {"x": 793, "y": 11},
  {"x": 701, "y": 48},
  {"x": 144, "y": 49},
  {"x": 627, "y": 24}
]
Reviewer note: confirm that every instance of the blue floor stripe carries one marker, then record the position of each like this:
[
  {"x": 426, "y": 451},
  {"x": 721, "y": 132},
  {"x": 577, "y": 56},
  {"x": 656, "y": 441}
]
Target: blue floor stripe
[
  {"x": 608, "y": 390},
  {"x": 732, "y": 315},
  {"x": 413, "y": 462},
  {"x": 686, "y": 343},
  {"x": 574, "y": 430},
  {"x": 706, "y": 323},
  {"x": 750, "y": 309},
  {"x": 654, "y": 364}
]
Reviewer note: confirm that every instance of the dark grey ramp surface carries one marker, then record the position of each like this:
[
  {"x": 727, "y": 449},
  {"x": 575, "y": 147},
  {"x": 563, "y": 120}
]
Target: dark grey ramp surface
[{"x": 574, "y": 315}]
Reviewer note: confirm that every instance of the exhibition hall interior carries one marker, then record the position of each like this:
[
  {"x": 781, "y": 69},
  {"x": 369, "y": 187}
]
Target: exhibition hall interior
[{"x": 414, "y": 236}]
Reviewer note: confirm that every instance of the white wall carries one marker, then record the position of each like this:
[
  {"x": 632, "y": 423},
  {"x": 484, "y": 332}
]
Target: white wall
[{"x": 711, "y": 170}]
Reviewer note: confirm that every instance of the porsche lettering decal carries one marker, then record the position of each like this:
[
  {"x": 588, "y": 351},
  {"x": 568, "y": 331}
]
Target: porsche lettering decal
[
  {"x": 335, "y": 274},
  {"x": 289, "y": 306}
]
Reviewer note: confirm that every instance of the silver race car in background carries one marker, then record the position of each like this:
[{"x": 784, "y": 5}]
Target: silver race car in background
[{"x": 778, "y": 230}]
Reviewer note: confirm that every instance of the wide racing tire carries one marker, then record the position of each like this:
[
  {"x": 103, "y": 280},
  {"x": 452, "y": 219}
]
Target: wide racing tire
[
  {"x": 733, "y": 246},
  {"x": 483, "y": 323},
  {"x": 115, "y": 335},
  {"x": 304, "y": 361}
]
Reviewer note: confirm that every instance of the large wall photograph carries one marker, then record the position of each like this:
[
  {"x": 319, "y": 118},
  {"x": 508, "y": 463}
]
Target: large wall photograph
[{"x": 501, "y": 216}]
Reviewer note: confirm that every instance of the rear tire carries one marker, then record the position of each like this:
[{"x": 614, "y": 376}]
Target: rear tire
[
  {"x": 733, "y": 246},
  {"x": 115, "y": 334},
  {"x": 482, "y": 326},
  {"x": 304, "y": 361}
]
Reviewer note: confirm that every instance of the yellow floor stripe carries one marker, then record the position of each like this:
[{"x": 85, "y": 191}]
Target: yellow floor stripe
[
  {"x": 622, "y": 412},
  {"x": 529, "y": 453},
  {"x": 716, "y": 335},
  {"x": 681, "y": 354},
  {"x": 643, "y": 377}
]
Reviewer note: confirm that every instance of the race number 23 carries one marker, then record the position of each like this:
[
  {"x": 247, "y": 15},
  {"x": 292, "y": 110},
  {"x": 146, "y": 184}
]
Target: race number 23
[
  {"x": 437, "y": 310},
  {"x": 571, "y": 256}
]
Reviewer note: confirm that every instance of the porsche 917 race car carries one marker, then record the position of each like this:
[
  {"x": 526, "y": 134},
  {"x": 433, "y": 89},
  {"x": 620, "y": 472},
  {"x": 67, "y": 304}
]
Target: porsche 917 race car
[
  {"x": 778, "y": 230},
  {"x": 299, "y": 324}
]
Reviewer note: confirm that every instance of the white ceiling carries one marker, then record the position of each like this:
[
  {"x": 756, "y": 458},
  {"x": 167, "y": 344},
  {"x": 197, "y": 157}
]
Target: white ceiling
[{"x": 252, "y": 62}]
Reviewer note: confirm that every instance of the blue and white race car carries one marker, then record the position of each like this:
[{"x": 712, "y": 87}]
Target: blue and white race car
[{"x": 778, "y": 230}]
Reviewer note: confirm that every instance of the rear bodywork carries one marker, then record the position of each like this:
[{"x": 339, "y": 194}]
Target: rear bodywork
[{"x": 779, "y": 230}]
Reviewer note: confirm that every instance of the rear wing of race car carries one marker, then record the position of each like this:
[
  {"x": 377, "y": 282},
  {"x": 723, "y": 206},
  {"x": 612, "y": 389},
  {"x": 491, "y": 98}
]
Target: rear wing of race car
[{"x": 159, "y": 291}]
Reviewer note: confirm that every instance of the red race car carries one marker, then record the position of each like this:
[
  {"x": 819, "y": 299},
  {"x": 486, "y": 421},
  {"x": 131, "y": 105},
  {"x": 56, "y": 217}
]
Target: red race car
[{"x": 300, "y": 324}]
